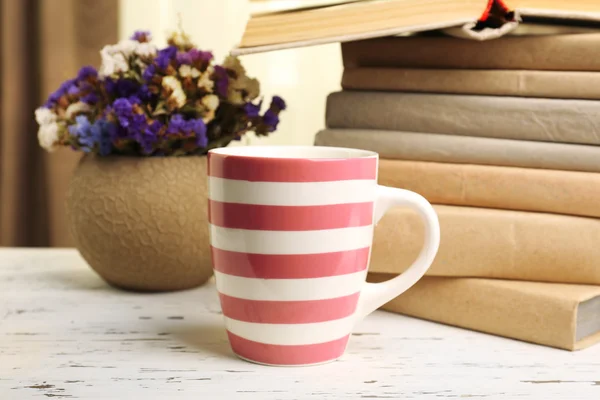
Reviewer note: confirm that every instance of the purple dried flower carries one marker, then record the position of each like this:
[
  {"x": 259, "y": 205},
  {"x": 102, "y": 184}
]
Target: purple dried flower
[
  {"x": 192, "y": 56},
  {"x": 87, "y": 72},
  {"x": 142, "y": 36},
  {"x": 165, "y": 56},
  {"x": 137, "y": 124},
  {"x": 252, "y": 110},
  {"x": 183, "y": 58},
  {"x": 89, "y": 135},
  {"x": 271, "y": 119},
  {"x": 149, "y": 136},
  {"x": 144, "y": 93},
  {"x": 122, "y": 87},
  {"x": 149, "y": 72},
  {"x": 177, "y": 125},
  {"x": 199, "y": 128},
  {"x": 198, "y": 55},
  {"x": 73, "y": 90},
  {"x": 124, "y": 111},
  {"x": 60, "y": 92},
  {"x": 90, "y": 98},
  {"x": 278, "y": 103},
  {"x": 221, "y": 81}
]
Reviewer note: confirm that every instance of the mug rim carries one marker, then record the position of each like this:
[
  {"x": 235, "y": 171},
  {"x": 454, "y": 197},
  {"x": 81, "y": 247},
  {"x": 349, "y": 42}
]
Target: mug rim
[{"x": 293, "y": 152}]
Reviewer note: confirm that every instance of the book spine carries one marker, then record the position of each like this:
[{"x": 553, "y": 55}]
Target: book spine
[
  {"x": 492, "y": 307},
  {"x": 549, "y": 120},
  {"x": 522, "y": 83},
  {"x": 575, "y": 52}
]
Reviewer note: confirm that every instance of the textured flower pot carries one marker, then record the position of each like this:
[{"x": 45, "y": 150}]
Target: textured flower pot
[{"x": 141, "y": 223}]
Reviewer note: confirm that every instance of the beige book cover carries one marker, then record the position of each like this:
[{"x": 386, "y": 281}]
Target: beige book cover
[
  {"x": 492, "y": 243},
  {"x": 416, "y": 146},
  {"x": 521, "y": 83},
  {"x": 352, "y": 21},
  {"x": 337, "y": 22},
  {"x": 571, "y": 52},
  {"x": 502, "y": 117},
  {"x": 525, "y": 189},
  {"x": 551, "y": 314}
]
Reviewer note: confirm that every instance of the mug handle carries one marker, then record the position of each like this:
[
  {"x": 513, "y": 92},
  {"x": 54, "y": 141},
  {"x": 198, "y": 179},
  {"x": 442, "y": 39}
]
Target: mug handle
[{"x": 374, "y": 295}]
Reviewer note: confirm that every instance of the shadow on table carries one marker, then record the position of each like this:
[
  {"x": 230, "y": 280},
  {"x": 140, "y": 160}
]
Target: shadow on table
[{"x": 210, "y": 339}]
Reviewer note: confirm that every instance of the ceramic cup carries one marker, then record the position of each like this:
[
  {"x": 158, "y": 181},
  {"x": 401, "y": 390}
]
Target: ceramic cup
[{"x": 291, "y": 230}]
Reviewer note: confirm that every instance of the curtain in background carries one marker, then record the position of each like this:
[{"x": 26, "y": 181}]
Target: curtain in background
[{"x": 42, "y": 43}]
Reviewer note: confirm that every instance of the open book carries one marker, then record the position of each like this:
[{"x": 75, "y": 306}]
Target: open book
[{"x": 341, "y": 21}]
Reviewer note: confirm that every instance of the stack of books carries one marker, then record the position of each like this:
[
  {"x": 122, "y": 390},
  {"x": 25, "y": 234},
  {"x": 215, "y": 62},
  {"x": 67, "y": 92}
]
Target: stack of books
[
  {"x": 503, "y": 137},
  {"x": 491, "y": 112}
]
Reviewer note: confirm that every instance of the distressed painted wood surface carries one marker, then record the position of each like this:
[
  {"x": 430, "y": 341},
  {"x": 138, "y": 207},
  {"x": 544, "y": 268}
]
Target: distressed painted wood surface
[{"x": 65, "y": 334}]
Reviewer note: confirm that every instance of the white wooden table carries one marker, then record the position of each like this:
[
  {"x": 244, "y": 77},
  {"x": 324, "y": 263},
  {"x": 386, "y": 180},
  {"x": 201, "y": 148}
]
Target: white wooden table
[{"x": 65, "y": 334}]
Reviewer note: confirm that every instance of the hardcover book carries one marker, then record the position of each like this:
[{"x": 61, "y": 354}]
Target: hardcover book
[
  {"x": 493, "y": 243},
  {"x": 502, "y": 117},
  {"x": 552, "y": 314},
  {"x": 424, "y": 146}
]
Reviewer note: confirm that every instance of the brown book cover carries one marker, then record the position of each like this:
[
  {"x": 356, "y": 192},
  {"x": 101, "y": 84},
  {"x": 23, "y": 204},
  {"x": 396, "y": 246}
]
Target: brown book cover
[
  {"x": 492, "y": 243},
  {"x": 521, "y": 83},
  {"x": 415, "y": 146},
  {"x": 548, "y": 120},
  {"x": 551, "y": 314},
  {"x": 574, "y": 52},
  {"x": 525, "y": 189}
]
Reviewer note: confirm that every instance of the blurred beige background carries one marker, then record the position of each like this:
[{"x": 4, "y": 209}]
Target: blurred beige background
[{"x": 44, "y": 42}]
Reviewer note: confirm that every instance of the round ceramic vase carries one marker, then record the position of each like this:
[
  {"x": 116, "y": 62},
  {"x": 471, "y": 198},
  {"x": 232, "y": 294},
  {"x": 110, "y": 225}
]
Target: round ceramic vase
[{"x": 141, "y": 222}]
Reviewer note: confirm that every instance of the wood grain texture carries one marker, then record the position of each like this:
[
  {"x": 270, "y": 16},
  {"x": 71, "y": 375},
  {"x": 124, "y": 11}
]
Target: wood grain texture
[{"x": 64, "y": 333}]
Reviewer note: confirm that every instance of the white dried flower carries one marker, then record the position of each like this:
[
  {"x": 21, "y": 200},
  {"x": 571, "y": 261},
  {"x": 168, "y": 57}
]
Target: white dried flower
[
  {"x": 170, "y": 82},
  {"x": 233, "y": 63},
  {"x": 45, "y": 116},
  {"x": 188, "y": 71},
  {"x": 145, "y": 50},
  {"x": 76, "y": 108},
  {"x": 112, "y": 62},
  {"x": 211, "y": 102},
  {"x": 114, "y": 57},
  {"x": 48, "y": 136},
  {"x": 177, "y": 93},
  {"x": 180, "y": 39},
  {"x": 126, "y": 46},
  {"x": 205, "y": 82}
]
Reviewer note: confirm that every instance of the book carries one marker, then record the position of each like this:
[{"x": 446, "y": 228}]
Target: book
[
  {"x": 551, "y": 314},
  {"x": 493, "y": 243},
  {"x": 362, "y": 19},
  {"x": 378, "y": 18},
  {"x": 508, "y": 188},
  {"x": 548, "y": 120},
  {"x": 261, "y": 7},
  {"x": 521, "y": 83},
  {"x": 571, "y": 52},
  {"x": 417, "y": 146}
]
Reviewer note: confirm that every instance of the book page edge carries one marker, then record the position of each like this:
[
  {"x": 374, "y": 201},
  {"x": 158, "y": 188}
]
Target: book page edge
[{"x": 238, "y": 51}]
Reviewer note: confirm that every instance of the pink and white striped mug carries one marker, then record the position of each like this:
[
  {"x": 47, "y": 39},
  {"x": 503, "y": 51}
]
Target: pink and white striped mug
[{"x": 291, "y": 230}]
